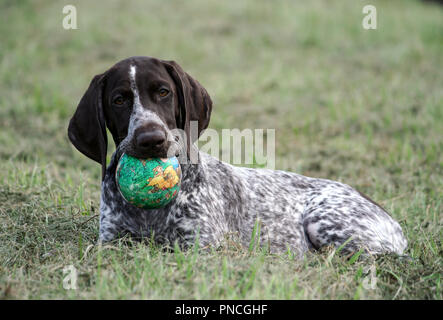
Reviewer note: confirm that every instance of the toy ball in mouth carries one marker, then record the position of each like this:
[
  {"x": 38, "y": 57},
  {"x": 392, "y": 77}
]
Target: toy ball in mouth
[{"x": 148, "y": 183}]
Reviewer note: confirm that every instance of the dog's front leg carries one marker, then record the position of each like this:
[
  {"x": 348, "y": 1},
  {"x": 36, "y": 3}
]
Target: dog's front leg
[{"x": 109, "y": 226}]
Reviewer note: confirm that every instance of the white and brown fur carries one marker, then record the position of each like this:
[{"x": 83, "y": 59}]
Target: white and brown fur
[{"x": 216, "y": 199}]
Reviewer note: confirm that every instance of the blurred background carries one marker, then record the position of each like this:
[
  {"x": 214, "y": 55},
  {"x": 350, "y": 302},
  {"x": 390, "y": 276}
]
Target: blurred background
[
  {"x": 338, "y": 95},
  {"x": 361, "y": 106}
]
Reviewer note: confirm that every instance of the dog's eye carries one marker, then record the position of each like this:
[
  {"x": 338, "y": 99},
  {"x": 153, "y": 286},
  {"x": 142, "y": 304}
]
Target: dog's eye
[
  {"x": 119, "y": 100},
  {"x": 163, "y": 92}
]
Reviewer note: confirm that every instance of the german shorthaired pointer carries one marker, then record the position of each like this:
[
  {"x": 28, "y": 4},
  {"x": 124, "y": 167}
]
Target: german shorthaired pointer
[{"x": 140, "y": 100}]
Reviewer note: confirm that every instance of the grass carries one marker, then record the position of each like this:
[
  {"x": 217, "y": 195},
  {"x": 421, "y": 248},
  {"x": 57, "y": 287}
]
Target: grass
[{"x": 363, "y": 107}]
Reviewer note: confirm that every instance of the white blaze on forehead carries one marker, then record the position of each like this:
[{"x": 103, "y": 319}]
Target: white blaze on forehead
[
  {"x": 132, "y": 72},
  {"x": 138, "y": 108}
]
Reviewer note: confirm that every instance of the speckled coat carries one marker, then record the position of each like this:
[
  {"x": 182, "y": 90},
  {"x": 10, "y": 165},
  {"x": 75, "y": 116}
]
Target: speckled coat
[
  {"x": 142, "y": 98},
  {"x": 217, "y": 199}
]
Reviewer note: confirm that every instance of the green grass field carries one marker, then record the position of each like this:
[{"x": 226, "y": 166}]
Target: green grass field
[{"x": 364, "y": 107}]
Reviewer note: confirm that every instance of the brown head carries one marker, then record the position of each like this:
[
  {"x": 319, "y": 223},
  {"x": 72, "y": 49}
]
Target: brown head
[{"x": 141, "y": 100}]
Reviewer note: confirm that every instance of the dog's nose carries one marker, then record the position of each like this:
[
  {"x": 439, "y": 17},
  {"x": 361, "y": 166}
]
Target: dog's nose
[{"x": 151, "y": 139}]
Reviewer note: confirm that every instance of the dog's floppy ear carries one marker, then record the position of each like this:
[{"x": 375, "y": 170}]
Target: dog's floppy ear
[
  {"x": 194, "y": 101},
  {"x": 87, "y": 128}
]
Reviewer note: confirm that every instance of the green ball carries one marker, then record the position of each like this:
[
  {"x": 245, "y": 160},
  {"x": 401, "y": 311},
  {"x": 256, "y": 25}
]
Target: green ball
[{"x": 148, "y": 183}]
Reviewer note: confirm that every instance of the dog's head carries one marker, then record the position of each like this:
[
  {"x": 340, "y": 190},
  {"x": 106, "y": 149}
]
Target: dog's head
[{"x": 140, "y": 100}]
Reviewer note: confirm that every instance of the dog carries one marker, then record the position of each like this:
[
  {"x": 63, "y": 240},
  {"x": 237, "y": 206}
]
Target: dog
[{"x": 141, "y": 100}]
